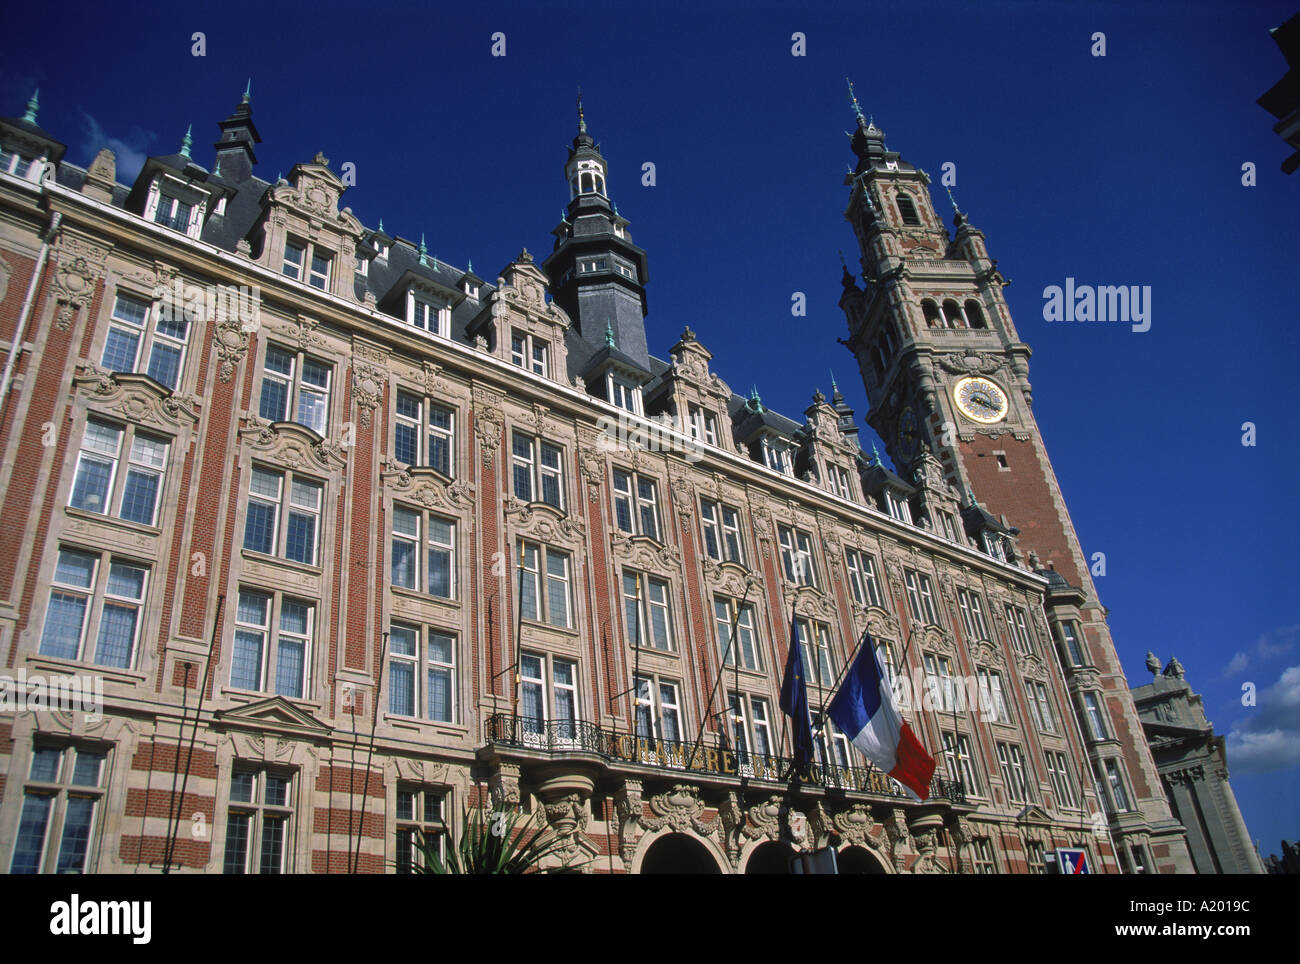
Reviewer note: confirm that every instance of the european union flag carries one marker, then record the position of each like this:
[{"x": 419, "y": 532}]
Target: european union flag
[{"x": 794, "y": 703}]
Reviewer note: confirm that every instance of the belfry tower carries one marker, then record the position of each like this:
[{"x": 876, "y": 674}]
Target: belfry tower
[{"x": 946, "y": 373}]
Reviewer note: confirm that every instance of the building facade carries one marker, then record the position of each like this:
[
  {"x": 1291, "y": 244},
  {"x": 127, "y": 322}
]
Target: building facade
[
  {"x": 354, "y": 540},
  {"x": 1193, "y": 766}
]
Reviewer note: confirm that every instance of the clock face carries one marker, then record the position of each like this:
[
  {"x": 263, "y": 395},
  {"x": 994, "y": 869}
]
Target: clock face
[{"x": 980, "y": 400}]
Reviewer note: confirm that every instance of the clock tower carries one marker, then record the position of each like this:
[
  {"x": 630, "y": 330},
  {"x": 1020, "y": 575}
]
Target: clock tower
[{"x": 947, "y": 374}]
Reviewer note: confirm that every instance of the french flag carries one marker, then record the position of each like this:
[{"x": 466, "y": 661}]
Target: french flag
[{"x": 865, "y": 711}]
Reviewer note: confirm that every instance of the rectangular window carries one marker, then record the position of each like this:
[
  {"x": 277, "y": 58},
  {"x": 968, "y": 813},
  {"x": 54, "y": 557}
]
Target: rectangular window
[
  {"x": 283, "y": 670},
  {"x": 961, "y": 762},
  {"x": 1040, "y": 704},
  {"x": 1073, "y": 645},
  {"x": 721, "y": 527},
  {"x": 1034, "y": 857},
  {"x": 295, "y": 255},
  {"x": 173, "y": 213},
  {"x": 646, "y": 610},
  {"x": 103, "y": 485},
  {"x": 528, "y": 351},
  {"x": 920, "y": 597},
  {"x": 658, "y": 710},
  {"x": 537, "y": 467},
  {"x": 1014, "y": 775},
  {"x": 548, "y": 694},
  {"x": 939, "y": 682},
  {"x": 897, "y": 505},
  {"x": 972, "y": 614},
  {"x": 818, "y": 655},
  {"x": 726, "y": 613},
  {"x": 623, "y": 394},
  {"x": 411, "y": 648},
  {"x": 427, "y": 316},
  {"x": 1115, "y": 784},
  {"x": 776, "y": 455},
  {"x": 992, "y": 697},
  {"x": 862, "y": 578},
  {"x": 295, "y": 387},
  {"x": 838, "y": 478},
  {"x": 438, "y": 576},
  {"x": 424, "y": 434},
  {"x": 283, "y": 515},
  {"x": 142, "y": 340},
  {"x": 93, "y": 601},
  {"x": 751, "y": 729},
  {"x": 1019, "y": 629},
  {"x": 983, "y": 850},
  {"x": 1092, "y": 707},
  {"x": 59, "y": 816},
  {"x": 636, "y": 504},
  {"x": 546, "y": 595},
  {"x": 259, "y": 823},
  {"x": 421, "y": 826},
  {"x": 797, "y": 556},
  {"x": 1058, "y": 771}
]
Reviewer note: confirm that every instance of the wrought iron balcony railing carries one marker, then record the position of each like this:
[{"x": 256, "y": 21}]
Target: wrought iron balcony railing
[{"x": 562, "y": 736}]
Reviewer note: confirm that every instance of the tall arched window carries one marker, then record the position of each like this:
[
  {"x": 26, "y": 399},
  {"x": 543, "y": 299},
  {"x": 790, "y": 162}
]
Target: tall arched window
[
  {"x": 907, "y": 210},
  {"x": 974, "y": 315},
  {"x": 952, "y": 314},
  {"x": 932, "y": 317}
]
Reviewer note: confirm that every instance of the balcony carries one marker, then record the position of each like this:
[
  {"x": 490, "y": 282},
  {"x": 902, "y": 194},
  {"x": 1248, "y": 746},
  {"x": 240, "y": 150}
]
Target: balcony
[{"x": 558, "y": 738}]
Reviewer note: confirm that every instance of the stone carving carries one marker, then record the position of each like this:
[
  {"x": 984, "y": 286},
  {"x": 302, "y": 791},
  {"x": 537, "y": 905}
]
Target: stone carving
[
  {"x": 291, "y": 445},
  {"x": 231, "y": 341},
  {"x": 567, "y": 816},
  {"x": 487, "y": 427},
  {"x": 627, "y": 805},
  {"x": 974, "y": 363},
  {"x": 78, "y": 268},
  {"x": 503, "y": 783},
  {"x": 679, "y": 809},
  {"x": 137, "y": 398},
  {"x": 857, "y": 825},
  {"x": 764, "y": 819},
  {"x": 899, "y": 839},
  {"x": 369, "y": 378}
]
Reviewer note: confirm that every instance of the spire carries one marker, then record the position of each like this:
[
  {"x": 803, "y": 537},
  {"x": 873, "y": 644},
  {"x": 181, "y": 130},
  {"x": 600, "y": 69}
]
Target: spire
[
  {"x": 235, "y": 157},
  {"x": 186, "y": 142},
  {"x": 248, "y": 92},
  {"x": 755, "y": 402},
  {"x": 609, "y": 335},
  {"x": 381, "y": 225},
  {"x": 875, "y": 454},
  {"x": 853, "y": 98},
  {"x": 424, "y": 251},
  {"x": 959, "y": 218},
  {"x": 582, "y": 121},
  {"x": 33, "y": 106}
]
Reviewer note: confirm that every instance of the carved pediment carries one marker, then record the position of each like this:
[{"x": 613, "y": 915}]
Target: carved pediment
[
  {"x": 275, "y": 714},
  {"x": 728, "y": 577},
  {"x": 314, "y": 193},
  {"x": 136, "y": 398},
  {"x": 427, "y": 486},
  {"x": 814, "y": 604},
  {"x": 543, "y": 522},
  {"x": 933, "y": 637},
  {"x": 522, "y": 288},
  {"x": 642, "y": 552},
  {"x": 988, "y": 654},
  {"x": 291, "y": 445},
  {"x": 880, "y": 622}
]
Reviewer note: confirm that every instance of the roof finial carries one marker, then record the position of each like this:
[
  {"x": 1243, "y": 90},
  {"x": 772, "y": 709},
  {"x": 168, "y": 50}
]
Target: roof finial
[
  {"x": 471, "y": 266},
  {"x": 956, "y": 210},
  {"x": 33, "y": 106},
  {"x": 186, "y": 142},
  {"x": 381, "y": 225},
  {"x": 875, "y": 453},
  {"x": 582, "y": 121},
  {"x": 248, "y": 92},
  {"x": 424, "y": 251},
  {"x": 853, "y": 98},
  {"x": 609, "y": 335},
  {"x": 834, "y": 387},
  {"x": 755, "y": 401}
]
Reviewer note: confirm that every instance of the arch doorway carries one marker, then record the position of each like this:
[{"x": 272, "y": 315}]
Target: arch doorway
[
  {"x": 770, "y": 858},
  {"x": 859, "y": 860},
  {"x": 678, "y": 853}
]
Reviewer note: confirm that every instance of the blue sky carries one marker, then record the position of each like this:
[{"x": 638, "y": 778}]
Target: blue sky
[{"x": 1123, "y": 169}]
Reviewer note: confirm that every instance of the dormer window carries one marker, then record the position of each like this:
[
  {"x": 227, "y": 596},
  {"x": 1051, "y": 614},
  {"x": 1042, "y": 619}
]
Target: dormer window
[
  {"x": 470, "y": 289},
  {"x": 319, "y": 275},
  {"x": 777, "y": 456},
  {"x": 11, "y": 162},
  {"x": 839, "y": 480},
  {"x": 528, "y": 351},
  {"x": 427, "y": 316},
  {"x": 173, "y": 213},
  {"x": 898, "y": 506},
  {"x": 624, "y": 394},
  {"x": 703, "y": 425},
  {"x": 993, "y": 545}
]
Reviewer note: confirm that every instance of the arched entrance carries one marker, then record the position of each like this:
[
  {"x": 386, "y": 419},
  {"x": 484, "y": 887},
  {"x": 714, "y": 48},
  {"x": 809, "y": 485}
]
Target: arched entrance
[
  {"x": 769, "y": 858},
  {"x": 678, "y": 853},
  {"x": 859, "y": 860}
]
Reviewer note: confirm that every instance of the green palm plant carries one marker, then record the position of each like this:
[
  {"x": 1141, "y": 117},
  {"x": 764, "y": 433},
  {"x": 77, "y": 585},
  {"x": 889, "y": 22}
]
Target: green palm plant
[{"x": 503, "y": 844}]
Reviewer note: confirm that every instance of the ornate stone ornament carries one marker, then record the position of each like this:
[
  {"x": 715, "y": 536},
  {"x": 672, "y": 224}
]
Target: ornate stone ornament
[
  {"x": 627, "y": 805},
  {"x": 679, "y": 809},
  {"x": 545, "y": 522},
  {"x": 369, "y": 379},
  {"x": 231, "y": 342},
  {"x": 503, "y": 784},
  {"x": 488, "y": 425},
  {"x": 78, "y": 268},
  {"x": 858, "y": 826},
  {"x": 136, "y": 398},
  {"x": 291, "y": 445},
  {"x": 427, "y": 486},
  {"x": 645, "y": 553}
]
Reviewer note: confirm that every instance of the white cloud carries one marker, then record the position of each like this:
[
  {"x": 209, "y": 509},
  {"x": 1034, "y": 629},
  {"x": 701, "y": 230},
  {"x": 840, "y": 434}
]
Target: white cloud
[
  {"x": 131, "y": 150},
  {"x": 1268, "y": 738},
  {"x": 1275, "y": 642}
]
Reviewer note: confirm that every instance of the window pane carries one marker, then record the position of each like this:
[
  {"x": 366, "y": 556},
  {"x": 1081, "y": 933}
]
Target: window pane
[
  {"x": 78, "y": 819},
  {"x": 116, "y": 636},
  {"x": 277, "y": 791},
  {"x": 272, "y": 844},
  {"x": 300, "y": 539},
  {"x": 406, "y": 446},
  {"x": 165, "y": 365},
  {"x": 90, "y": 490},
  {"x": 241, "y": 787},
  {"x": 236, "y": 859},
  {"x": 120, "y": 349},
  {"x": 275, "y": 400},
  {"x": 45, "y": 764},
  {"x": 31, "y": 834},
  {"x": 259, "y": 529},
  {"x": 246, "y": 661},
  {"x": 88, "y": 768},
  {"x": 289, "y": 667},
  {"x": 139, "y": 497},
  {"x": 439, "y": 684},
  {"x": 63, "y": 622}
]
